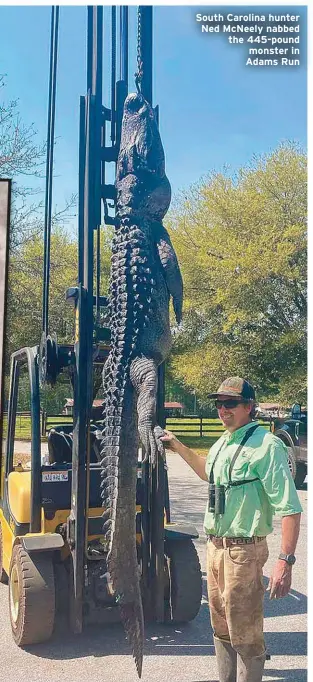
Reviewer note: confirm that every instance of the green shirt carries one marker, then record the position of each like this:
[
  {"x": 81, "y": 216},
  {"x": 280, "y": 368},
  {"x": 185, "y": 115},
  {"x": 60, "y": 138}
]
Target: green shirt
[{"x": 249, "y": 508}]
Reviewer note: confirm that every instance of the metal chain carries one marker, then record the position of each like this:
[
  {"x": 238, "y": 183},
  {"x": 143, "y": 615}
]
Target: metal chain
[{"x": 139, "y": 73}]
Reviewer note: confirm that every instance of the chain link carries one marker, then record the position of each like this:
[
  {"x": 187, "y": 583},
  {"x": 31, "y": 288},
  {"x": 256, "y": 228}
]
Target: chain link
[{"x": 139, "y": 73}]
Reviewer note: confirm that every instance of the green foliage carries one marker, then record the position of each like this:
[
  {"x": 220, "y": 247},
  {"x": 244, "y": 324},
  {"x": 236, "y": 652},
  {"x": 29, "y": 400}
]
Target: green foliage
[
  {"x": 25, "y": 283},
  {"x": 21, "y": 155},
  {"x": 176, "y": 391},
  {"x": 52, "y": 398},
  {"x": 241, "y": 244}
]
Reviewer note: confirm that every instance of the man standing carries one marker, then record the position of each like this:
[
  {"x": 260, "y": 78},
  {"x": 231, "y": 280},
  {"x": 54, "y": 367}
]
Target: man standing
[{"x": 249, "y": 482}]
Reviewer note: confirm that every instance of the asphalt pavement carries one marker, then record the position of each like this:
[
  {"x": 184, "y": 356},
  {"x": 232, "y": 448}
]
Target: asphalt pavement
[{"x": 172, "y": 654}]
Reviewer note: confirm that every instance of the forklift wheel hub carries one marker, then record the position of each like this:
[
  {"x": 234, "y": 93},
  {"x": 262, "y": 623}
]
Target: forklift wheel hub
[{"x": 14, "y": 593}]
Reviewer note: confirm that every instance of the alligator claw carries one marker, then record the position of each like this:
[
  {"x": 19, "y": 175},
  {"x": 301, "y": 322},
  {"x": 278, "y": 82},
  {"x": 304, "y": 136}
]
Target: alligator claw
[
  {"x": 158, "y": 432},
  {"x": 153, "y": 446}
]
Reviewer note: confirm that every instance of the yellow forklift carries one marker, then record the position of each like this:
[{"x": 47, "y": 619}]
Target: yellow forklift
[{"x": 52, "y": 548}]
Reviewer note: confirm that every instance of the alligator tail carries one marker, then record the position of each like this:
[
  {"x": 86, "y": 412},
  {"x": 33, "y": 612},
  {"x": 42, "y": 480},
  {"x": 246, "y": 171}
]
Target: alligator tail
[{"x": 130, "y": 299}]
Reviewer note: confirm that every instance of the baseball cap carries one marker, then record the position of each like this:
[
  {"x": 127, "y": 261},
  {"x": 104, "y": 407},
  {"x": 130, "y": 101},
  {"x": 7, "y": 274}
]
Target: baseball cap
[{"x": 235, "y": 387}]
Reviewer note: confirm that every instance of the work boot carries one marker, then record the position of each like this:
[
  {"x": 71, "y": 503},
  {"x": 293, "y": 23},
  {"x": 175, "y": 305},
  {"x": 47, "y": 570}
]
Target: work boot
[
  {"x": 251, "y": 669},
  {"x": 226, "y": 658}
]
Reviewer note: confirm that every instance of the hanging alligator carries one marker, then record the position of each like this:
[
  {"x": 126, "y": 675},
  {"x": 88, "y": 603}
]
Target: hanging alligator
[{"x": 144, "y": 275}]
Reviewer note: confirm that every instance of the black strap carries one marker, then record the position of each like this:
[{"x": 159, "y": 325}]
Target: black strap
[
  {"x": 237, "y": 453},
  {"x": 232, "y": 484},
  {"x": 211, "y": 479}
]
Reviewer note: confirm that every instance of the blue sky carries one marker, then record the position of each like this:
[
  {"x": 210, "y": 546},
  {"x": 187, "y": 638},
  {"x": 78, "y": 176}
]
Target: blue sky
[{"x": 214, "y": 110}]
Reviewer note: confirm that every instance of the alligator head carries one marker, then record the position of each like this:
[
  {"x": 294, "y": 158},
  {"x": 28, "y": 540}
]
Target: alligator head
[{"x": 143, "y": 189}]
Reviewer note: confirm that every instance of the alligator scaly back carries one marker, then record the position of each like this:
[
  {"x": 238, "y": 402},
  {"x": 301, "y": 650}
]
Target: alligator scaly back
[
  {"x": 129, "y": 285},
  {"x": 140, "y": 340}
]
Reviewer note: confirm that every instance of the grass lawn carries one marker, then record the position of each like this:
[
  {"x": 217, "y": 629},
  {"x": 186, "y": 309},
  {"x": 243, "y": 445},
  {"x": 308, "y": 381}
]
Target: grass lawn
[
  {"x": 211, "y": 427},
  {"x": 23, "y": 425},
  {"x": 188, "y": 433},
  {"x": 199, "y": 445}
]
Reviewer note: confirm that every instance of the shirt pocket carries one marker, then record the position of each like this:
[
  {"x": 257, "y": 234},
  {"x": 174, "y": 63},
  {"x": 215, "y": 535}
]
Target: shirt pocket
[{"x": 241, "y": 469}]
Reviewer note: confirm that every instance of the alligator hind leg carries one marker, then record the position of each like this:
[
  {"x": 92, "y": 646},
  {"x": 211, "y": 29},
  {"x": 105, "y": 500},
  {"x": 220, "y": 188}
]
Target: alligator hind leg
[{"x": 144, "y": 377}]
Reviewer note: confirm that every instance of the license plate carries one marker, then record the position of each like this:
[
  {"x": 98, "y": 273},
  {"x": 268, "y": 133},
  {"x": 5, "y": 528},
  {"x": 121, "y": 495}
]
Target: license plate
[{"x": 54, "y": 476}]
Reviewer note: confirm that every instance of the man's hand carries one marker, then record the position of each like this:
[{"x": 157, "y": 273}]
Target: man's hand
[
  {"x": 170, "y": 441},
  {"x": 280, "y": 580}
]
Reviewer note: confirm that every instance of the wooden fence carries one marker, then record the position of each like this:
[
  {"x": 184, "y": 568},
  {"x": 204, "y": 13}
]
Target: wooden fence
[
  {"x": 198, "y": 426},
  {"x": 194, "y": 426},
  {"x": 191, "y": 426}
]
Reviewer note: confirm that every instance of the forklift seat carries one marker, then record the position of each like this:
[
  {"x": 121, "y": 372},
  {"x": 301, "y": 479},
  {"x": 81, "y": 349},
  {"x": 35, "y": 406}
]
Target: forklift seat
[{"x": 60, "y": 446}]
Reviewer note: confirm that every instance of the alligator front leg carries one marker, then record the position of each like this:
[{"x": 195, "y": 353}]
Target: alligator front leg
[{"x": 144, "y": 377}]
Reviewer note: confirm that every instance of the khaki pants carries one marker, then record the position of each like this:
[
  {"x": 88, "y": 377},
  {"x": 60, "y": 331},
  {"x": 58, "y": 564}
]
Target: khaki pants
[{"x": 236, "y": 592}]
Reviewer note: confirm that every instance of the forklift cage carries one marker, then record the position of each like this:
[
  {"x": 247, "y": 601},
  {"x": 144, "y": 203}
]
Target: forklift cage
[{"x": 30, "y": 357}]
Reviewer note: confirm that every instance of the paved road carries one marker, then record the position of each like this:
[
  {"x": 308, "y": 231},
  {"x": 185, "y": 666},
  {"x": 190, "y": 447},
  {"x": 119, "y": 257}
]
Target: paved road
[{"x": 173, "y": 654}]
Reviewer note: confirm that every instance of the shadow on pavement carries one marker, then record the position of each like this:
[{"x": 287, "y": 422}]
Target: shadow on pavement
[
  {"x": 192, "y": 639},
  {"x": 292, "y": 675},
  {"x": 286, "y": 644},
  {"x": 294, "y": 603},
  {"x": 187, "y": 639}
]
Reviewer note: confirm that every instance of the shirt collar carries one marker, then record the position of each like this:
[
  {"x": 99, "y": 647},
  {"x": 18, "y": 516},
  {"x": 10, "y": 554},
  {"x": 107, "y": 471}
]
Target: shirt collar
[{"x": 237, "y": 436}]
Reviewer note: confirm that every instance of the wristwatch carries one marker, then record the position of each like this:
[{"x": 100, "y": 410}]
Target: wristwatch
[{"x": 289, "y": 558}]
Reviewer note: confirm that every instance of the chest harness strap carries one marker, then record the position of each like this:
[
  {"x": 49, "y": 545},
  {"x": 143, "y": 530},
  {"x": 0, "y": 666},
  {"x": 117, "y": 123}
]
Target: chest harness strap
[{"x": 237, "y": 453}]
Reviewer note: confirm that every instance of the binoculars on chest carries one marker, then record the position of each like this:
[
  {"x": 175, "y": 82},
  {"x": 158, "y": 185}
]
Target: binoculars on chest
[
  {"x": 216, "y": 503},
  {"x": 216, "y": 498}
]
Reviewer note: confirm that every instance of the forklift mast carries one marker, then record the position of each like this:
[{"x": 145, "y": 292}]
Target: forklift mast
[{"x": 100, "y": 133}]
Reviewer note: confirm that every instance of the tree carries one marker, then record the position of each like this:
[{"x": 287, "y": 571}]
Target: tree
[
  {"x": 25, "y": 283},
  {"x": 20, "y": 156},
  {"x": 241, "y": 243},
  {"x": 23, "y": 157},
  {"x": 25, "y": 286}
]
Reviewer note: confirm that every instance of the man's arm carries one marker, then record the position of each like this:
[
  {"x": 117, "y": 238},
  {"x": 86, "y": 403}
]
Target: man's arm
[
  {"x": 195, "y": 461},
  {"x": 280, "y": 580}
]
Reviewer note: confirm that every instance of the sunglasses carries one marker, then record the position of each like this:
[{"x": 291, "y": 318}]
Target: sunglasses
[{"x": 228, "y": 404}]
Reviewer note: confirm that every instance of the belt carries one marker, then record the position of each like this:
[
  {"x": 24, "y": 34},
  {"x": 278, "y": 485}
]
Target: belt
[{"x": 227, "y": 542}]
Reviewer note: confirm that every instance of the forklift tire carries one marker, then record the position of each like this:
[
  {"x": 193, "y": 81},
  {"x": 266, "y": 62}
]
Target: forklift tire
[
  {"x": 184, "y": 593},
  {"x": 3, "y": 575},
  {"x": 301, "y": 472},
  {"x": 31, "y": 596}
]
